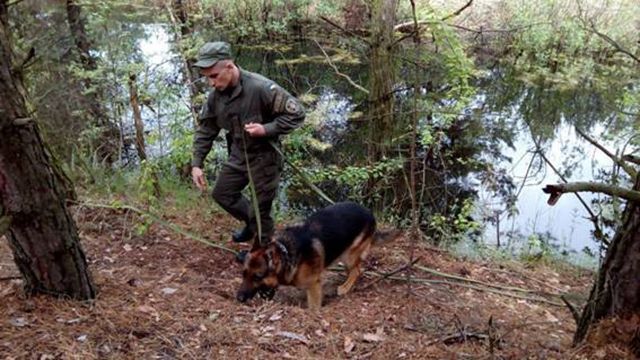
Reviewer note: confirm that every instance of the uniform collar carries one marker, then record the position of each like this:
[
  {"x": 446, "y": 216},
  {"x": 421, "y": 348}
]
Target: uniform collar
[{"x": 237, "y": 90}]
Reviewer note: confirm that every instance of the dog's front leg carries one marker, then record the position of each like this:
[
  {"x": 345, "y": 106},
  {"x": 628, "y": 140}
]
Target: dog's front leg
[{"x": 314, "y": 296}]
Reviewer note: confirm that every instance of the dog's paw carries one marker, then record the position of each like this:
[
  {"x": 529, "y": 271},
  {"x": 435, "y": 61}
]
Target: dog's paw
[
  {"x": 267, "y": 294},
  {"x": 342, "y": 290}
]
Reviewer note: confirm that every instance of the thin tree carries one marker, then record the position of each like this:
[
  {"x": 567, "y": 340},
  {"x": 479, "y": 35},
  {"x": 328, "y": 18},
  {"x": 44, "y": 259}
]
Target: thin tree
[
  {"x": 106, "y": 143},
  {"x": 33, "y": 213}
]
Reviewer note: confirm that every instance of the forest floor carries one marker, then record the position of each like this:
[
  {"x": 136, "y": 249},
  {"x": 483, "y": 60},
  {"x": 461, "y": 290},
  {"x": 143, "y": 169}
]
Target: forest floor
[{"x": 162, "y": 295}]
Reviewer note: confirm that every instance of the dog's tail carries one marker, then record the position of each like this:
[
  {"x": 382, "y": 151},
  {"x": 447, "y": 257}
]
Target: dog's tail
[{"x": 383, "y": 236}]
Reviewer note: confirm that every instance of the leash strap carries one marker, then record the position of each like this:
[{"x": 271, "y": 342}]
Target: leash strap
[{"x": 302, "y": 175}]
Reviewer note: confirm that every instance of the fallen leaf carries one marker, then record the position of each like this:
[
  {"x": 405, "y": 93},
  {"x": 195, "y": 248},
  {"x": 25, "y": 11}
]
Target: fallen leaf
[
  {"x": 146, "y": 309},
  {"x": 168, "y": 290},
  {"x": 82, "y": 338},
  {"x": 348, "y": 344},
  {"x": 289, "y": 335},
  {"x": 127, "y": 247},
  {"x": 275, "y": 317},
  {"x": 368, "y": 337},
  {"x": 19, "y": 322}
]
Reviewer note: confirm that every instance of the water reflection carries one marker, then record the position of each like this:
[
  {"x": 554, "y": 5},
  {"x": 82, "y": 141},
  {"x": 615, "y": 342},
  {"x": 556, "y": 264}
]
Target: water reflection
[{"x": 504, "y": 106}]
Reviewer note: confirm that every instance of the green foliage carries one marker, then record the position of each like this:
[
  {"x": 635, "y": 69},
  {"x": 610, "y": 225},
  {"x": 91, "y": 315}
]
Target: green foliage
[
  {"x": 148, "y": 184},
  {"x": 456, "y": 227}
]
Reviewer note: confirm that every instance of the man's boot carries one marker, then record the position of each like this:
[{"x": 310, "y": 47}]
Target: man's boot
[{"x": 243, "y": 235}]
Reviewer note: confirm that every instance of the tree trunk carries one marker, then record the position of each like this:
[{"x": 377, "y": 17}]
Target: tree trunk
[
  {"x": 41, "y": 232},
  {"x": 616, "y": 292},
  {"x": 137, "y": 118},
  {"x": 106, "y": 143},
  {"x": 181, "y": 21},
  {"x": 382, "y": 78}
]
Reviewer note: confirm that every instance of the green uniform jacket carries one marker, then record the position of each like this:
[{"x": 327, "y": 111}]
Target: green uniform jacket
[{"x": 255, "y": 99}]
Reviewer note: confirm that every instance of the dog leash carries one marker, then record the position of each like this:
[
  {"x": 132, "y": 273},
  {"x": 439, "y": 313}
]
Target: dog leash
[{"x": 302, "y": 175}]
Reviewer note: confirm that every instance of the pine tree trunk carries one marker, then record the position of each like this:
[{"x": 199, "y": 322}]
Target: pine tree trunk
[
  {"x": 382, "y": 77},
  {"x": 41, "y": 233},
  {"x": 617, "y": 288}
]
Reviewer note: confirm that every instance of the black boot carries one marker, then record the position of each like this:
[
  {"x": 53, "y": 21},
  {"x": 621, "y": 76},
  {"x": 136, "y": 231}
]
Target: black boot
[{"x": 243, "y": 235}]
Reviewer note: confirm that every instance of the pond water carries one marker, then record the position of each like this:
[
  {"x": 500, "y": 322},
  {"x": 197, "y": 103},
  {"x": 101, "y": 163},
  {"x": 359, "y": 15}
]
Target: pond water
[{"x": 565, "y": 222}]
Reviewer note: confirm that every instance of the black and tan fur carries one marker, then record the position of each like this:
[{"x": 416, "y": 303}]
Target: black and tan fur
[{"x": 299, "y": 254}]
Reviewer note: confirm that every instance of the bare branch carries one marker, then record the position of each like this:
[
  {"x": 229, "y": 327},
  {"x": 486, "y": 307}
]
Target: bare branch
[
  {"x": 628, "y": 169},
  {"x": 411, "y": 26},
  {"x": 631, "y": 158},
  {"x": 335, "y": 68},
  {"x": 346, "y": 31},
  {"x": 457, "y": 12},
  {"x": 614, "y": 43},
  {"x": 555, "y": 191}
]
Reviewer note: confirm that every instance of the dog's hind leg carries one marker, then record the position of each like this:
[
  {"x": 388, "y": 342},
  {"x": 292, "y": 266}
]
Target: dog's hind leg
[{"x": 352, "y": 261}]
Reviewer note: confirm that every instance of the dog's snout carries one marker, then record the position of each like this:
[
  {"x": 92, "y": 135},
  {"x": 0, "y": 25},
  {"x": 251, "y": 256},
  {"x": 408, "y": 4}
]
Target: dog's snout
[{"x": 241, "y": 296}]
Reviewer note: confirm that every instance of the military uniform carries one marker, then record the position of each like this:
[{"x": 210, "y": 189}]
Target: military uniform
[{"x": 254, "y": 99}]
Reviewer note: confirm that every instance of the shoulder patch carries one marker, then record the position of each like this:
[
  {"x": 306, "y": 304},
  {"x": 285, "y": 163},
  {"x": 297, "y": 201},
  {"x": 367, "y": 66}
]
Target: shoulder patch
[{"x": 292, "y": 106}]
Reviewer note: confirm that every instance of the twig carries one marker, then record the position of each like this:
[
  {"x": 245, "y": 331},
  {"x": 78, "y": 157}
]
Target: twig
[
  {"x": 160, "y": 221},
  {"x": 631, "y": 158},
  {"x": 469, "y": 286},
  {"x": 457, "y": 12},
  {"x": 628, "y": 169},
  {"x": 472, "y": 281},
  {"x": 7, "y": 278},
  {"x": 391, "y": 273},
  {"x": 348, "y": 32},
  {"x": 457, "y": 337},
  {"x": 614, "y": 43},
  {"x": 335, "y": 68},
  {"x": 599, "y": 234}
]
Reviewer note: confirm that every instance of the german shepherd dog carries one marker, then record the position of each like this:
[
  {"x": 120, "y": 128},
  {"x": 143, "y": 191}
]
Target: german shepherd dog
[{"x": 299, "y": 254}]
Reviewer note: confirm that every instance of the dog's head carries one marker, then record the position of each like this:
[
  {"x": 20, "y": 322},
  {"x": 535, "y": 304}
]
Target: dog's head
[{"x": 260, "y": 269}]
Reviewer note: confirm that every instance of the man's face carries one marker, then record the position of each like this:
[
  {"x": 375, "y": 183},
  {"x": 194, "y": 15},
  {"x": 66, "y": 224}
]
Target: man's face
[{"x": 219, "y": 75}]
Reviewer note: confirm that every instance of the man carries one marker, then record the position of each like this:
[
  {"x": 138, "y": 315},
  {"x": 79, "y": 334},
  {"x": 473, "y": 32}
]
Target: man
[{"x": 255, "y": 111}]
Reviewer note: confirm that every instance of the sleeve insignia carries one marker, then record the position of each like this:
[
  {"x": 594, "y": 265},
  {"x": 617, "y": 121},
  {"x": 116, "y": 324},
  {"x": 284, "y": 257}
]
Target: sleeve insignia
[{"x": 292, "y": 106}]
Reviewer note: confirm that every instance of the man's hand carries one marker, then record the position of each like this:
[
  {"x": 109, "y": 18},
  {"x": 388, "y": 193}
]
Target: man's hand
[
  {"x": 198, "y": 178},
  {"x": 255, "y": 130}
]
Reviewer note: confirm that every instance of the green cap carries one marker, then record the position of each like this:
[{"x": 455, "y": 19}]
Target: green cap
[{"x": 212, "y": 52}]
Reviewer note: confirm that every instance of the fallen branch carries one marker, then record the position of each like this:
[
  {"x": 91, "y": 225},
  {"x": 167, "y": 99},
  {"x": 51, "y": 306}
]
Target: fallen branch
[
  {"x": 160, "y": 221},
  {"x": 391, "y": 273},
  {"x": 457, "y": 337},
  {"x": 555, "y": 191},
  {"x": 469, "y": 286},
  {"x": 472, "y": 281}
]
